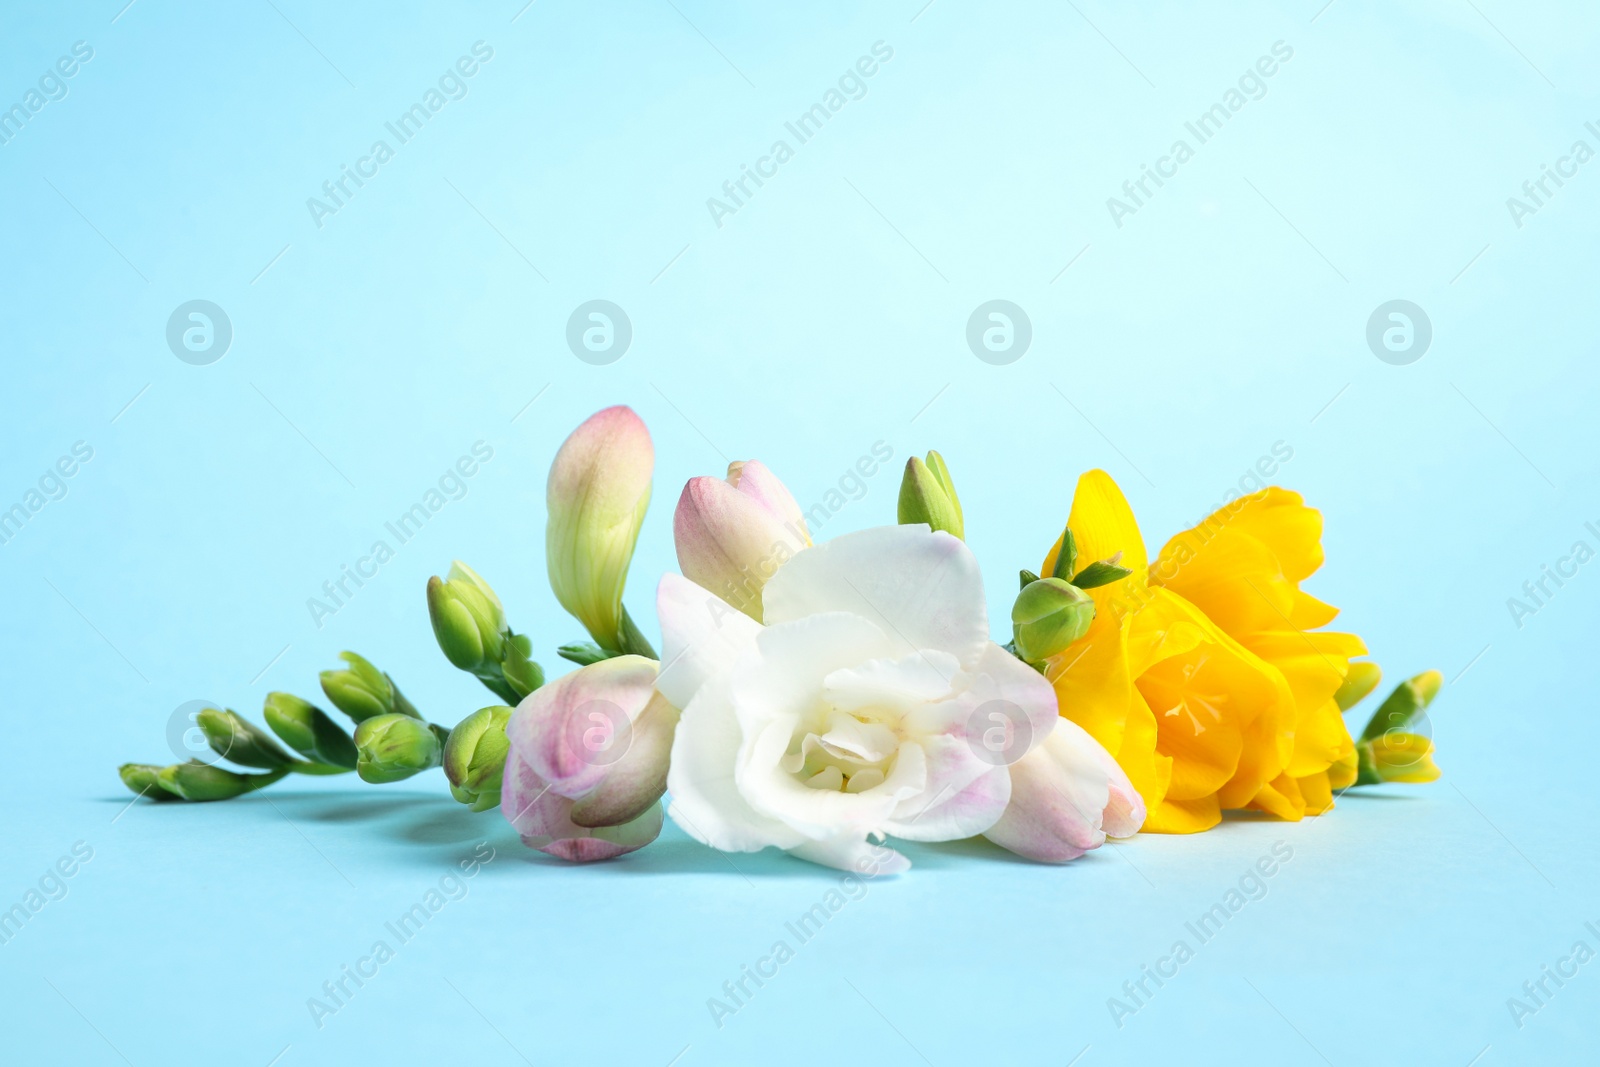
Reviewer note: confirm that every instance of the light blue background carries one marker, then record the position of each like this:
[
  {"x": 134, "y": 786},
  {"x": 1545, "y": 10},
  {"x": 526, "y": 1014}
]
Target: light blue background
[{"x": 827, "y": 314}]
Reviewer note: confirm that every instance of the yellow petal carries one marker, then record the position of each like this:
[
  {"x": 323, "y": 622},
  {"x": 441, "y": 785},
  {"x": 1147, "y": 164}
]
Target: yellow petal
[
  {"x": 1317, "y": 792},
  {"x": 1281, "y": 797},
  {"x": 1404, "y": 757},
  {"x": 1343, "y": 773},
  {"x": 1183, "y": 816},
  {"x": 1103, "y": 525}
]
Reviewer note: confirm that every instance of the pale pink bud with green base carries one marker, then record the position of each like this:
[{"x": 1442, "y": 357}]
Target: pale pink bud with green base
[
  {"x": 596, "y": 497},
  {"x": 732, "y": 535}
]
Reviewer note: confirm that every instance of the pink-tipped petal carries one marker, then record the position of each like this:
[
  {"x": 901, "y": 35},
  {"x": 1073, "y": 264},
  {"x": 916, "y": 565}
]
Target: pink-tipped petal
[
  {"x": 729, "y": 543},
  {"x": 1059, "y": 794},
  {"x": 637, "y": 780},
  {"x": 543, "y": 820},
  {"x": 754, "y": 480}
]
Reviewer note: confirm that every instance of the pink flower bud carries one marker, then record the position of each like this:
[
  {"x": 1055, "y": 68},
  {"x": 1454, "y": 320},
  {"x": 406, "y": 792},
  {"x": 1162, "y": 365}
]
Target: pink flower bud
[
  {"x": 588, "y": 761},
  {"x": 596, "y": 497},
  {"x": 733, "y": 535}
]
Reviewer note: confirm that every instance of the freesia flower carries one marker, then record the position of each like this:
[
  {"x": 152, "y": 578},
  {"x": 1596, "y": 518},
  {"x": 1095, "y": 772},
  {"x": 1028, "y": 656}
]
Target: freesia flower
[
  {"x": 588, "y": 761},
  {"x": 733, "y": 535},
  {"x": 1243, "y": 566},
  {"x": 597, "y": 494},
  {"x": 869, "y": 701},
  {"x": 1199, "y": 722}
]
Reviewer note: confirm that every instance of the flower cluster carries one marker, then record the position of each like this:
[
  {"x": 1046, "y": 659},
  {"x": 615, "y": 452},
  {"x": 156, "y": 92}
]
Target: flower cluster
[{"x": 822, "y": 698}]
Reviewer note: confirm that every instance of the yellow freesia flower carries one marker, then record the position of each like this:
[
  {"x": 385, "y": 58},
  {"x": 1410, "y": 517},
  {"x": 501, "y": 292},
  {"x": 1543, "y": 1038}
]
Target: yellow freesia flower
[
  {"x": 1199, "y": 721},
  {"x": 1243, "y": 566}
]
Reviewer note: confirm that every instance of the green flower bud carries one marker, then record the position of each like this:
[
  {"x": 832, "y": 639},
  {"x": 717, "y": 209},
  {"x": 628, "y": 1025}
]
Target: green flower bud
[
  {"x": 395, "y": 746},
  {"x": 468, "y": 620},
  {"x": 235, "y": 738},
  {"x": 1362, "y": 679},
  {"x": 308, "y": 730},
  {"x": 927, "y": 494},
  {"x": 363, "y": 692},
  {"x": 1049, "y": 615},
  {"x": 475, "y": 757},
  {"x": 143, "y": 779},
  {"x": 197, "y": 781},
  {"x": 1404, "y": 706}
]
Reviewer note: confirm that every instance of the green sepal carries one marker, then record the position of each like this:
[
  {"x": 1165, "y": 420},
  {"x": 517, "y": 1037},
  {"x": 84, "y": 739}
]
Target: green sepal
[
  {"x": 1027, "y": 578},
  {"x": 585, "y": 652},
  {"x": 1067, "y": 558},
  {"x": 1101, "y": 572}
]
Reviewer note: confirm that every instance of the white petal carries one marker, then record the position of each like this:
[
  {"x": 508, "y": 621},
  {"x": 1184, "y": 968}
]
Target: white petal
[
  {"x": 784, "y": 678},
  {"x": 894, "y": 684},
  {"x": 921, "y": 588},
  {"x": 701, "y": 636},
  {"x": 853, "y": 854},
  {"x": 706, "y": 801}
]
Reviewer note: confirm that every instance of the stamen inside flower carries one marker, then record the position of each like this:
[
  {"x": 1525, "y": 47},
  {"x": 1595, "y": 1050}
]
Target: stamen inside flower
[
  {"x": 842, "y": 751},
  {"x": 1176, "y": 688}
]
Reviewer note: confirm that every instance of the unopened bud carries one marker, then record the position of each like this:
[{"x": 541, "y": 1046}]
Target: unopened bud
[
  {"x": 394, "y": 746},
  {"x": 308, "y": 730},
  {"x": 363, "y": 692},
  {"x": 927, "y": 494},
  {"x": 235, "y": 738},
  {"x": 475, "y": 757},
  {"x": 1049, "y": 615}
]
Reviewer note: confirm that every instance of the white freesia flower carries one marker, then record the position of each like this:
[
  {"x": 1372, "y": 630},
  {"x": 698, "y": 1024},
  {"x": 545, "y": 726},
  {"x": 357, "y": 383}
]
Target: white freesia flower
[{"x": 869, "y": 702}]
